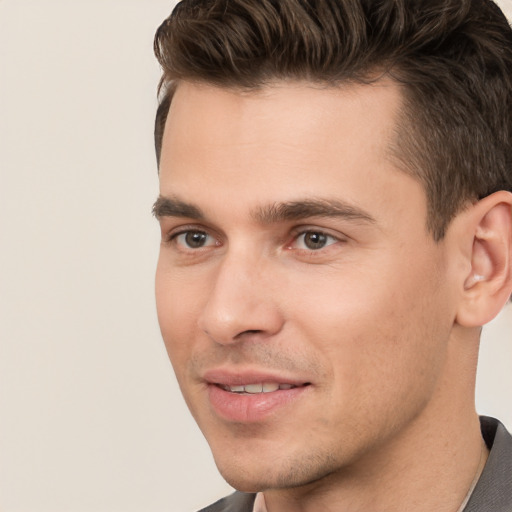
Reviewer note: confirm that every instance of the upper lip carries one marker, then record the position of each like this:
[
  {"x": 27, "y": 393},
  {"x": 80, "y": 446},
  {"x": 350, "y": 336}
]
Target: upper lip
[{"x": 232, "y": 377}]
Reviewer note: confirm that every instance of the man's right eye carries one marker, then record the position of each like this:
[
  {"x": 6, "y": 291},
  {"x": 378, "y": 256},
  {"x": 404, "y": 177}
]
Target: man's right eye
[{"x": 193, "y": 239}]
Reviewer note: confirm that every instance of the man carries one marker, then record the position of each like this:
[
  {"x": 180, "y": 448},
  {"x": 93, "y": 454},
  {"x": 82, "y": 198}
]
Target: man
[{"x": 336, "y": 215}]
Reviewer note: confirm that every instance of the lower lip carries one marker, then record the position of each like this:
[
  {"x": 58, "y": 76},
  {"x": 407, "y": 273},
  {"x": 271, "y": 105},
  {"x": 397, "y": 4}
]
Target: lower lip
[{"x": 248, "y": 408}]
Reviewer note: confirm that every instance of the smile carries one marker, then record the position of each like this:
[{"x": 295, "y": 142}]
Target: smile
[
  {"x": 254, "y": 389},
  {"x": 255, "y": 402}
]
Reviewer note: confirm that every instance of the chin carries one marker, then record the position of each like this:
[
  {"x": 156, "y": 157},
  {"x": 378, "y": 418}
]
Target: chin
[
  {"x": 255, "y": 475},
  {"x": 243, "y": 481},
  {"x": 245, "y": 475}
]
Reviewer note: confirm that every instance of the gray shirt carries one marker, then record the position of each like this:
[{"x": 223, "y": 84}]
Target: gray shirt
[{"x": 493, "y": 492}]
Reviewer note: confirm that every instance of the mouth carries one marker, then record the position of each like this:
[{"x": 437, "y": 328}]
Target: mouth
[
  {"x": 259, "y": 388},
  {"x": 247, "y": 397}
]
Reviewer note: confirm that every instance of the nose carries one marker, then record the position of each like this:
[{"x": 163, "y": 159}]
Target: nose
[{"x": 242, "y": 302}]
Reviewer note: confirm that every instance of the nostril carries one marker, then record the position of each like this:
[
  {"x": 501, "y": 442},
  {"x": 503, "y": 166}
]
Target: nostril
[{"x": 248, "y": 332}]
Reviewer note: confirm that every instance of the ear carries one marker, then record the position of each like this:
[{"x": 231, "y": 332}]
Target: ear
[{"x": 488, "y": 284}]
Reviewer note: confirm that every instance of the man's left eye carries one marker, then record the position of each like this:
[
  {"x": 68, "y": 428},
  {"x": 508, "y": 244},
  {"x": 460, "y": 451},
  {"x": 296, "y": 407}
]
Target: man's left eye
[{"x": 313, "y": 240}]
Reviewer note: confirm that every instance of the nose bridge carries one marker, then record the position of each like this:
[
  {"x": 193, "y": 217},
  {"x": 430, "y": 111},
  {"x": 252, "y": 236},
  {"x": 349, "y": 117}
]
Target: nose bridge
[{"x": 241, "y": 299}]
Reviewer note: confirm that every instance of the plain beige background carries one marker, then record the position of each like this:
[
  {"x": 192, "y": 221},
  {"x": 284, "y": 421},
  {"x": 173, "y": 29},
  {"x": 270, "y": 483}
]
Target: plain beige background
[{"x": 91, "y": 418}]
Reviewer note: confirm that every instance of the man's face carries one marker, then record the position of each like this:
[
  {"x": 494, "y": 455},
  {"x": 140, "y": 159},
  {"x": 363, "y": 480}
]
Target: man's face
[{"x": 302, "y": 302}]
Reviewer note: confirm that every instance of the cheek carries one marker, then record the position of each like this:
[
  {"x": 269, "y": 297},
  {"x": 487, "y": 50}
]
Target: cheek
[
  {"x": 380, "y": 340},
  {"x": 177, "y": 302}
]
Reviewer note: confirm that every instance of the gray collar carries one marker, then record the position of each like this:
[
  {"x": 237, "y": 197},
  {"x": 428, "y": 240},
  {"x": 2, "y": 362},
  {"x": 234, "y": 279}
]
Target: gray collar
[{"x": 493, "y": 492}]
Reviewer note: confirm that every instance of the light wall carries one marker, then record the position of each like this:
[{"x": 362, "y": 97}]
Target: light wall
[{"x": 91, "y": 418}]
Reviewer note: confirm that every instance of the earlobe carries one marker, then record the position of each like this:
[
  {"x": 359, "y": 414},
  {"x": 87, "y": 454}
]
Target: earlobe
[{"x": 488, "y": 285}]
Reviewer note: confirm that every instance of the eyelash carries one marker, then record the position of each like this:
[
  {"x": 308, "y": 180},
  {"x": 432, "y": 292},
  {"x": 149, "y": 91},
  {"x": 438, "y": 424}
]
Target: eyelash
[
  {"x": 172, "y": 238},
  {"x": 327, "y": 237}
]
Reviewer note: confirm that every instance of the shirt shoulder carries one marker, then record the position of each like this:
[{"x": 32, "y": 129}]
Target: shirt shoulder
[
  {"x": 493, "y": 492},
  {"x": 236, "y": 502}
]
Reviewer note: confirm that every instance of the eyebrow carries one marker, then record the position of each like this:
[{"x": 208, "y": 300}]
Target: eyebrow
[
  {"x": 173, "y": 207},
  {"x": 271, "y": 214},
  {"x": 299, "y": 210}
]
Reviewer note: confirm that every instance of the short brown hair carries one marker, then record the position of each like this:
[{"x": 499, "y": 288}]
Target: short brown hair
[{"x": 453, "y": 57}]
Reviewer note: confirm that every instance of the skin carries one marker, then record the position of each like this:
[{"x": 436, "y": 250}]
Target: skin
[{"x": 368, "y": 319}]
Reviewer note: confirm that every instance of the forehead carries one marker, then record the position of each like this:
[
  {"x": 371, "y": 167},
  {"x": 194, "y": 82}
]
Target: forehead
[
  {"x": 285, "y": 141},
  {"x": 283, "y": 112}
]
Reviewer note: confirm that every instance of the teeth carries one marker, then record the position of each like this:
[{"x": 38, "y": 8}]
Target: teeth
[
  {"x": 268, "y": 387},
  {"x": 253, "y": 389}
]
